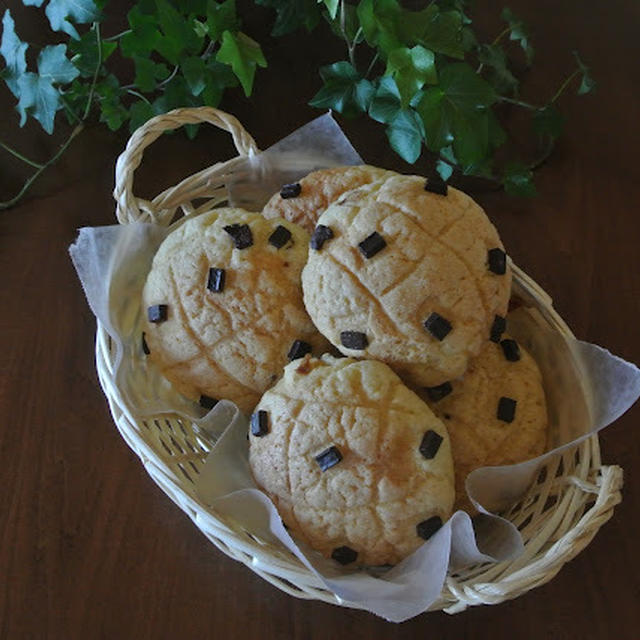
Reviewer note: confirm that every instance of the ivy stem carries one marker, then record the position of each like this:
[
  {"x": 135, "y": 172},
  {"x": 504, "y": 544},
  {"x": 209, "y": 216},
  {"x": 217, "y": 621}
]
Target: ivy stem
[
  {"x": 18, "y": 155},
  {"x": 373, "y": 61},
  {"x": 563, "y": 86},
  {"x": 138, "y": 95},
  {"x": 118, "y": 35},
  {"x": 520, "y": 103},
  {"x": 34, "y": 177},
  {"x": 96, "y": 26},
  {"x": 497, "y": 39}
]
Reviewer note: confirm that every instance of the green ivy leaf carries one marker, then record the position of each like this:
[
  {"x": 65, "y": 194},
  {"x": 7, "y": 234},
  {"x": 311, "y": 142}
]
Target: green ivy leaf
[
  {"x": 36, "y": 91},
  {"x": 218, "y": 77},
  {"x": 332, "y": 7},
  {"x": 444, "y": 169},
  {"x": 178, "y": 35},
  {"x": 411, "y": 69},
  {"x": 405, "y": 129},
  {"x": 87, "y": 54},
  {"x": 456, "y": 113},
  {"x": 176, "y": 94},
  {"x": 13, "y": 51},
  {"x": 221, "y": 16},
  {"x": 194, "y": 70},
  {"x": 587, "y": 83},
  {"x": 518, "y": 181},
  {"x": 500, "y": 76},
  {"x": 242, "y": 54},
  {"x": 112, "y": 111},
  {"x": 519, "y": 33},
  {"x": 144, "y": 36},
  {"x": 547, "y": 121},
  {"x": 405, "y": 135},
  {"x": 39, "y": 98},
  {"x": 61, "y": 12},
  {"x": 379, "y": 21},
  {"x": 387, "y": 102},
  {"x": 54, "y": 66},
  {"x": 440, "y": 31},
  {"x": 148, "y": 73},
  {"x": 344, "y": 90},
  {"x": 292, "y": 14},
  {"x": 139, "y": 113}
]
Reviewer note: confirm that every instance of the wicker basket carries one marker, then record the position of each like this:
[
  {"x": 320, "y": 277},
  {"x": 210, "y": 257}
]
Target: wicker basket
[{"x": 558, "y": 517}]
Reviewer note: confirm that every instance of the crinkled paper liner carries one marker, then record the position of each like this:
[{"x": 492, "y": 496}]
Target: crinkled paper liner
[{"x": 586, "y": 387}]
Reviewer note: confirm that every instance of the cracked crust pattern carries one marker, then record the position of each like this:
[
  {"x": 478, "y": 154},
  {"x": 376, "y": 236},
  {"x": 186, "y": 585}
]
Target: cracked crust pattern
[
  {"x": 230, "y": 344},
  {"x": 478, "y": 437},
  {"x": 318, "y": 190},
  {"x": 373, "y": 499},
  {"x": 435, "y": 260}
]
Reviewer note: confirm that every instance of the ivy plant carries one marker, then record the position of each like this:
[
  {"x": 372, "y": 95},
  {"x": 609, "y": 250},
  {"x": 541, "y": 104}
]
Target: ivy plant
[{"x": 422, "y": 74}]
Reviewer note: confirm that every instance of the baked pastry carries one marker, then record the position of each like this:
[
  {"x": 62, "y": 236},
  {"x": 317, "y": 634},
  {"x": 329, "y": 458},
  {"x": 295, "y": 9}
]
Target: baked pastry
[
  {"x": 223, "y": 305},
  {"x": 356, "y": 464},
  {"x": 496, "y": 413},
  {"x": 303, "y": 202},
  {"x": 405, "y": 272}
]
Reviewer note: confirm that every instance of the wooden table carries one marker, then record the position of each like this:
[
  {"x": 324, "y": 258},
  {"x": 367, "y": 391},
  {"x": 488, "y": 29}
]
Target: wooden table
[{"x": 91, "y": 548}]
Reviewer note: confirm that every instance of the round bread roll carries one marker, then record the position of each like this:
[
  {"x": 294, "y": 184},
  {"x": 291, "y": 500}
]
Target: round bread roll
[
  {"x": 304, "y": 201},
  {"x": 496, "y": 413},
  {"x": 404, "y": 275},
  {"x": 357, "y": 465},
  {"x": 223, "y": 305}
]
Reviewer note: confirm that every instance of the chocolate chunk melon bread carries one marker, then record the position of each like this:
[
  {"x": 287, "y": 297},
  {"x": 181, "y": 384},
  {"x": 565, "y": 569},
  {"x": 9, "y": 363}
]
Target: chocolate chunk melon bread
[
  {"x": 409, "y": 272},
  {"x": 357, "y": 465},
  {"x": 495, "y": 413},
  {"x": 304, "y": 201},
  {"x": 223, "y": 305}
]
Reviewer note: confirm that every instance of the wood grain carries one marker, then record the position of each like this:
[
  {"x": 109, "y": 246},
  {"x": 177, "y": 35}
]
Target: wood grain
[{"x": 91, "y": 548}]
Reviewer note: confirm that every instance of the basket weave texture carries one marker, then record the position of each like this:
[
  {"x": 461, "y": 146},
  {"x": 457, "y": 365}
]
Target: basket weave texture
[{"x": 558, "y": 517}]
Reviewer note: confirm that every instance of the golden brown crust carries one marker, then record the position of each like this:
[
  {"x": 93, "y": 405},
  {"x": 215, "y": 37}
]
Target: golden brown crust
[
  {"x": 318, "y": 190},
  {"x": 478, "y": 437},
  {"x": 435, "y": 261},
  {"x": 372, "y": 500},
  {"x": 230, "y": 344}
]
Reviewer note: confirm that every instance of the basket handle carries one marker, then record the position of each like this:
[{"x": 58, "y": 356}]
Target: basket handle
[{"x": 129, "y": 208}]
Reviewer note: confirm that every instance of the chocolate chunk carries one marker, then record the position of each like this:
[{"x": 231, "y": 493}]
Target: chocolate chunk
[
  {"x": 207, "y": 402},
  {"x": 157, "y": 313},
  {"x": 437, "y": 326},
  {"x": 241, "y": 234},
  {"x": 292, "y": 190},
  {"x": 430, "y": 444},
  {"x": 436, "y": 184},
  {"x": 215, "y": 282},
  {"x": 427, "y": 528},
  {"x": 344, "y": 555},
  {"x": 279, "y": 237},
  {"x": 497, "y": 261},
  {"x": 299, "y": 349},
  {"x": 439, "y": 392},
  {"x": 354, "y": 340},
  {"x": 260, "y": 423},
  {"x": 328, "y": 458},
  {"x": 372, "y": 244},
  {"x": 498, "y": 327},
  {"x": 145, "y": 346},
  {"x": 506, "y": 409},
  {"x": 320, "y": 235},
  {"x": 511, "y": 350}
]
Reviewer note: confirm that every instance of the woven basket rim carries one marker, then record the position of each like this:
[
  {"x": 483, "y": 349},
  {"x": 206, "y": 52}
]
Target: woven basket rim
[{"x": 581, "y": 491}]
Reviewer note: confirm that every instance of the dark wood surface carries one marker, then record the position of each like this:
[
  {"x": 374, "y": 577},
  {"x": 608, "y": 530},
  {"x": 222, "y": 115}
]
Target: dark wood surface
[{"x": 91, "y": 548}]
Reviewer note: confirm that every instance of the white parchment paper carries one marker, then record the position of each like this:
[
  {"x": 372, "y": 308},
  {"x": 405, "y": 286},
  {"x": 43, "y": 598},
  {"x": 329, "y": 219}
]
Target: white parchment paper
[{"x": 587, "y": 388}]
